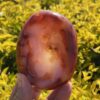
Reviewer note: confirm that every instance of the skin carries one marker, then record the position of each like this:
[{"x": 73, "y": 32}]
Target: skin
[
  {"x": 46, "y": 55},
  {"x": 23, "y": 90}
]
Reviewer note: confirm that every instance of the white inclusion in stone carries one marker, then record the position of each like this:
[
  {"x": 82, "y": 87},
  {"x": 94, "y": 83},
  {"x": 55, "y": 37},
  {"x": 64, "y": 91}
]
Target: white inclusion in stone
[{"x": 47, "y": 63}]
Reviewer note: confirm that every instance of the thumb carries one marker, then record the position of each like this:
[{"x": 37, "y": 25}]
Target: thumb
[{"x": 22, "y": 89}]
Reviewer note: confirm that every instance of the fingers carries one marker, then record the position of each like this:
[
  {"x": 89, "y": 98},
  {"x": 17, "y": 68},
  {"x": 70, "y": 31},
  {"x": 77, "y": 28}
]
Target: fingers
[
  {"x": 36, "y": 92},
  {"x": 61, "y": 93},
  {"x": 22, "y": 90}
]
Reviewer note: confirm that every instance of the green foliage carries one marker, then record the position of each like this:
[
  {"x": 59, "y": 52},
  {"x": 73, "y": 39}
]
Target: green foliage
[
  {"x": 6, "y": 84},
  {"x": 45, "y": 4},
  {"x": 7, "y": 51},
  {"x": 84, "y": 15},
  {"x": 12, "y": 17},
  {"x": 83, "y": 89}
]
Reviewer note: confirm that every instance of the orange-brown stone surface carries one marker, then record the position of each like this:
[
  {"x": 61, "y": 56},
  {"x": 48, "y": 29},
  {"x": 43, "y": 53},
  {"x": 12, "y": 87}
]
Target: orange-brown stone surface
[{"x": 47, "y": 50}]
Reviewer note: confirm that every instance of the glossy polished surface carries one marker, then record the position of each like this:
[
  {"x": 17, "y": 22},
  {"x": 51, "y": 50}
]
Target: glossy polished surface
[{"x": 47, "y": 50}]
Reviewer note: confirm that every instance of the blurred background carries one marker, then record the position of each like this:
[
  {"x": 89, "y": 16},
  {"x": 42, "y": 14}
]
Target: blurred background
[{"x": 83, "y": 14}]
